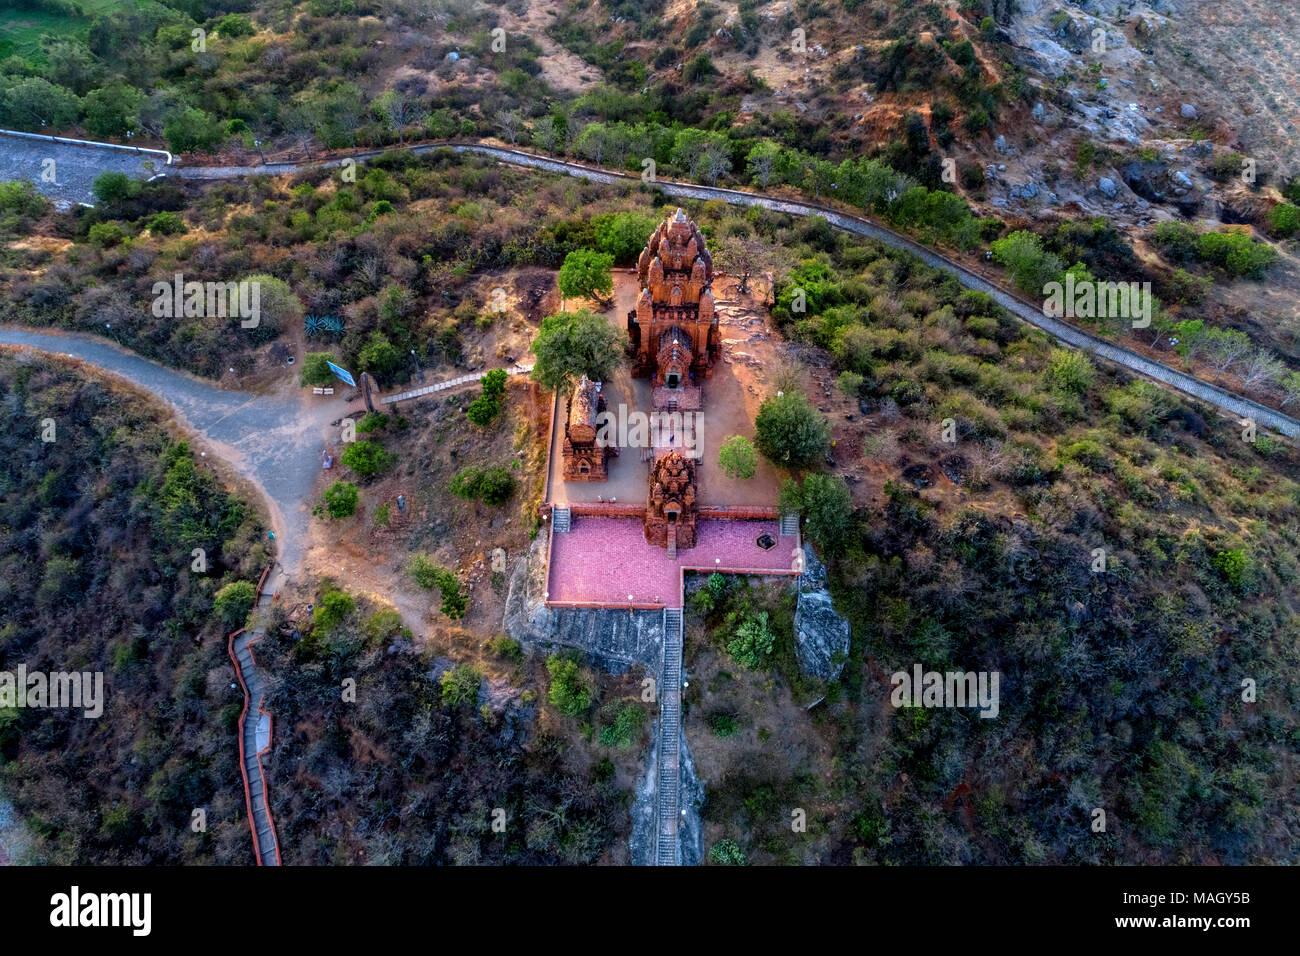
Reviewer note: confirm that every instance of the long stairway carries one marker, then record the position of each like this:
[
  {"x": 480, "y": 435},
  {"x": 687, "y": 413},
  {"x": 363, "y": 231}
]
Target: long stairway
[
  {"x": 668, "y": 793},
  {"x": 255, "y": 733}
]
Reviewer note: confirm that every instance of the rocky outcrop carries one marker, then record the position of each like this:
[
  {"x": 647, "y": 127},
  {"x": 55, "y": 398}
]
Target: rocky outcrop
[{"x": 821, "y": 634}]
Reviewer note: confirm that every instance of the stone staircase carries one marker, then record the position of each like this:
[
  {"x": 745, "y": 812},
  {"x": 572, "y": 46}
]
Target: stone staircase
[
  {"x": 561, "y": 520},
  {"x": 668, "y": 789},
  {"x": 789, "y": 524},
  {"x": 255, "y": 734},
  {"x": 672, "y": 542}
]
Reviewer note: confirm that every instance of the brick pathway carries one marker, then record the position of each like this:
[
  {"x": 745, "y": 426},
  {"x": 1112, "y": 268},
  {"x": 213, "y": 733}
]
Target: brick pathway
[{"x": 603, "y": 560}]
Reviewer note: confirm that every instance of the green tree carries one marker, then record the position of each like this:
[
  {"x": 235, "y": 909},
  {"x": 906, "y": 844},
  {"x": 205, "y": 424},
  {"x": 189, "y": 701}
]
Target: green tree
[
  {"x": 622, "y": 235},
  {"x": 112, "y": 110},
  {"x": 790, "y": 432},
  {"x": 112, "y": 186},
  {"x": 569, "y": 693},
  {"x": 35, "y": 104},
  {"x": 1029, "y": 266},
  {"x": 827, "y": 506},
  {"x": 379, "y": 357},
  {"x": 587, "y": 274},
  {"x": 570, "y": 345},
  {"x": 751, "y": 644},
  {"x": 233, "y": 603},
  {"x": 315, "y": 369},
  {"x": 737, "y": 458},
  {"x": 341, "y": 499},
  {"x": 367, "y": 458},
  {"x": 190, "y": 130}
]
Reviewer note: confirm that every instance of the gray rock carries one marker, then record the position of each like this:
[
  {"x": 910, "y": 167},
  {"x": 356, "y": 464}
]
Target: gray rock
[
  {"x": 453, "y": 56},
  {"x": 1039, "y": 112},
  {"x": 1000, "y": 144},
  {"x": 1188, "y": 111},
  {"x": 821, "y": 634},
  {"x": 1183, "y": 179},
  {"x": 1108, "y": 187}
]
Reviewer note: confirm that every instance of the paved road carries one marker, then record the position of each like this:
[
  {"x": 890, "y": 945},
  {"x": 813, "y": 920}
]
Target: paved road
[
  {"x": 75, "y": 167},
  {"x": 273, "y": 441},
  {"x": 1236, "y": 405}
]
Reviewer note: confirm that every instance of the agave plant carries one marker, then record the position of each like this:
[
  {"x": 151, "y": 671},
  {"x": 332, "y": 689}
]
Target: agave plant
[{"x": 316, "y": 324}]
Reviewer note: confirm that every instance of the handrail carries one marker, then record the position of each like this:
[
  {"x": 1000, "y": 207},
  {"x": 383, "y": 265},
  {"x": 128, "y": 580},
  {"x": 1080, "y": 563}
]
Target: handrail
[{"x": 88, "y": 142}]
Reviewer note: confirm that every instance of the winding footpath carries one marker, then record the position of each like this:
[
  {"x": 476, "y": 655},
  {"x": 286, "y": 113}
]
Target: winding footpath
[{"x": 273, "y": 442}]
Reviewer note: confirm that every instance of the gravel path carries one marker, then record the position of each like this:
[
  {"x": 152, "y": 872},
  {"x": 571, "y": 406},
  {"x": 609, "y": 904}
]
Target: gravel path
[
  {"x": 273, "y": 441},
  {"x": 75, "y": 167}
]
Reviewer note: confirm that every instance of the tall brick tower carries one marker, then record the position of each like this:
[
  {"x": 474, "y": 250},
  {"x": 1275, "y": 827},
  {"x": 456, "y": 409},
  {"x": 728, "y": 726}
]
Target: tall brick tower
[{"x": 674, "y": 327}]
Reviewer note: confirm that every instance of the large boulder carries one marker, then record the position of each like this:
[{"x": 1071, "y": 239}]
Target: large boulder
[{"x": 821, "y": 635}]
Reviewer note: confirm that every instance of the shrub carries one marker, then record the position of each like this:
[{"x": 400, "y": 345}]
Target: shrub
[
  {"x": 108, "y": 187},
  {"x": 485, "y": 408},
  {"x": 492, "y": 486},
  {"x": 106, "y": 233},
  {"x": 334, "y": 608},
  {"x": 790, "y": 432},
  {"x": 1284, "y": 219},
  {"x": 367, "y": 458},
  {"x": 569, "y": 693},
  {"x": 752, "y": 642},
  {"x": 736, "y": 457},
  {"x": 232, "y": 25},
  {"x": 727, "y": 853},
  {"x": 233, "y": 603},
  {"x": 1233, "y": 565},
  {"x": 722, "y": 724},
  {"x": 827, "y": 506},
  {"x": 341, "y": 499},
  {"x": 1069, "y": 370},
  {"x": 166, "y": 224},
  {"x": 384, "y": 625},
  {"x": 315, "y": 369},
  {"x": 619, "y": 723},
  {"x": 379, "y": 357},
  {"x": 459, "y": 686}
]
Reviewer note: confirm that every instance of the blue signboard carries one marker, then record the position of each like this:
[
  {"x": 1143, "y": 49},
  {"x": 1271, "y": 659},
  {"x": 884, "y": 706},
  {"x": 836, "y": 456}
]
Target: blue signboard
[{"x": 342, "y": 373}]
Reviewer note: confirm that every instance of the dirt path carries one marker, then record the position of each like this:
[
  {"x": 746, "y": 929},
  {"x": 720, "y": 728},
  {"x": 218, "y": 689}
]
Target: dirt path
[{"x": 274, "y": 441}]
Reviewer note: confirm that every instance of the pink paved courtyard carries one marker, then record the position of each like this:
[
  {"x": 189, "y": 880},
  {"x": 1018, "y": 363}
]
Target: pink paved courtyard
[{"x": 603, "y": 560}]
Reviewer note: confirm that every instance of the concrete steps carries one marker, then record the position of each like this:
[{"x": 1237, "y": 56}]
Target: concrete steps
[{"x": 668, "y": 783}]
